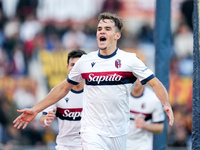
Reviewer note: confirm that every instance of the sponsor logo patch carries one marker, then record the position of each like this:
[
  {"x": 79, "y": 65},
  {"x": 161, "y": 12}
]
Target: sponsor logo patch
[{"x": 92, "y": 64}]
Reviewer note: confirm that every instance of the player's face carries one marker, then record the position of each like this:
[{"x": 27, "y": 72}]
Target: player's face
[
  {"x": 106, "y": 34},
  {"x": 71, "y": 64}
]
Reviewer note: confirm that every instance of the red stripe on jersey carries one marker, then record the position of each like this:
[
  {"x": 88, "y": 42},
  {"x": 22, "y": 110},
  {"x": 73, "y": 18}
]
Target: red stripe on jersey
[
  {"x": 69, "y": 113},
  {"x": 62, "y": 110},
  {"x": 109, "y": 74},
  {"x": 135, "y": 112},
  {"x": 108, "y": 78}
]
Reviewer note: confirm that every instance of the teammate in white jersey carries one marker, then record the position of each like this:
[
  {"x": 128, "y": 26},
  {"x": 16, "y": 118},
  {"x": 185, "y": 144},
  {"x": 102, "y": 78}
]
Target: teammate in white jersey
[
  {"x": 109, "y": 75},
  {"x": 68, "y": 112},
  {"x": 146, "y": 118}
]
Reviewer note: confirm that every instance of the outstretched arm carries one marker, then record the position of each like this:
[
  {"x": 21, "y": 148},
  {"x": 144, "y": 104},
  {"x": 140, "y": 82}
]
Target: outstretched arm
[
  {"x": 162, "y": 95},
  {"x": 55, "y": 95}
]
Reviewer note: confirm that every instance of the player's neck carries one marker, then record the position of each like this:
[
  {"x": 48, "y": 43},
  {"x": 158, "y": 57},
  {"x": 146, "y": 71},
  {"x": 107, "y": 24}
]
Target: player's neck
[
  {"x": 138, "y": 92},
  {"x": 108, "y": 51}
]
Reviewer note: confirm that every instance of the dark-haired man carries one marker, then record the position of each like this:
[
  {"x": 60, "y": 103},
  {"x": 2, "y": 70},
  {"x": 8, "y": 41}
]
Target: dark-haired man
[{"x": 109, "y": 75}]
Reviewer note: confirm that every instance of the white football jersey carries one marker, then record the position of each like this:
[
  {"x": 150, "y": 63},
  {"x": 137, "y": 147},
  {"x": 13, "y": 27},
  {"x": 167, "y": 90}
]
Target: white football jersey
[
  {"x": 149, "y": 107},
  {"x": 108, "y": 81},
  {"x": 68, "y": 113}
]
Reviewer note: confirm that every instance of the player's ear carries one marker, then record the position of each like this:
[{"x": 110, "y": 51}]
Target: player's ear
[{"x": 117, "y": 35}]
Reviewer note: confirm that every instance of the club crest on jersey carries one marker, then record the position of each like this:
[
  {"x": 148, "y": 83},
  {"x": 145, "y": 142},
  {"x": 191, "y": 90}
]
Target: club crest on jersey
[
  {"x": 118, "y": 63},
  {"x": 143, "y": 106}
]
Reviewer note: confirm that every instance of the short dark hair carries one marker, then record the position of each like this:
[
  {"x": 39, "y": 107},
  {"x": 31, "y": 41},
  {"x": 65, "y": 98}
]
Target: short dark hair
[
  {"x": 118, "y": 21},
  {"x": 75, "y": 54}
]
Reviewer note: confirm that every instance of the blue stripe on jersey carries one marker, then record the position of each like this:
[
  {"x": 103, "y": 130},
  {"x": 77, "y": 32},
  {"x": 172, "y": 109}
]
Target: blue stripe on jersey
[
  {"x": 133, "y": 114},
  {"x": 67, "y": 118},
  {"x": 122, "y": 81},
  {"x": 146, "y": 118},
  {"x": 72, "y": 82},
  {"x": 107, "y": 56},
  {"x": 147, "y": 79},
  {"x": 159, "y": 122}
]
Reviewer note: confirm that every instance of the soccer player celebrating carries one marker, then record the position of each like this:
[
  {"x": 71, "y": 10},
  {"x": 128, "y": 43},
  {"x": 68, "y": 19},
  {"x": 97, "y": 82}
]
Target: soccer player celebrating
[{"x": 109, "y": 74}]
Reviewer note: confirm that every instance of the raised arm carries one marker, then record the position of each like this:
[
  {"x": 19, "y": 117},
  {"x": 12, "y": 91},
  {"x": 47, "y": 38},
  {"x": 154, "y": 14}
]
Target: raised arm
[
  {"x": 55, "y": 95},
  {"x": 162, "y": 95}
]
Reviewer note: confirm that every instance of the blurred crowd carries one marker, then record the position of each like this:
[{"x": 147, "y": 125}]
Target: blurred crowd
[{"x": 36, "y": 35}]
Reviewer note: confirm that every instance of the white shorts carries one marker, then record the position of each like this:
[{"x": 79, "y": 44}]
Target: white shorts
[
  {"x": 60, "y": 147},
  {"x": 92, "y": 141}
]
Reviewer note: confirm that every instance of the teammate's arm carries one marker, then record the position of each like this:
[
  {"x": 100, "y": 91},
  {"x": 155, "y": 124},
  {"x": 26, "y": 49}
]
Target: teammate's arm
[
  {"x": 46, "y": 120},
  {"x": 162, "y": 95},
  {"x": 153, "y": 127},
  {"x": 54, "y": 95}
]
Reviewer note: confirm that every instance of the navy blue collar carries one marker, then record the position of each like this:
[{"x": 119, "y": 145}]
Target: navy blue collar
[
  {"x": 77, "y": 92},
  {"x": 107, "y": 56},
  {"x": 138, "y": 96}
]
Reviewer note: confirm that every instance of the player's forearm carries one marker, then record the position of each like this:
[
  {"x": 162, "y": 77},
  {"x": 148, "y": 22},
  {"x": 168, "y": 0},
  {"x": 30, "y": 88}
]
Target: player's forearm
[
  {"x": 160, "y": 91},
  {"x": 162, "y": 95},
  {"x": 54, "y": 96},
  {"x": 154, "y": 128}
]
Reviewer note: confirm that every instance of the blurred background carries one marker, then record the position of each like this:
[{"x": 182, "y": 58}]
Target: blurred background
[{"x": 36, "y": 35}]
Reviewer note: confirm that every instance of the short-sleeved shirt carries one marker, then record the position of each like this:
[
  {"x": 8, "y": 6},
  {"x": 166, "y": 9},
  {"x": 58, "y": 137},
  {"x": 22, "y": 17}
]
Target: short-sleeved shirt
[
  {"x": 108, "y": 81},
  {"x": 68, "y": 113},
  {"x": 149, "y": 107}
]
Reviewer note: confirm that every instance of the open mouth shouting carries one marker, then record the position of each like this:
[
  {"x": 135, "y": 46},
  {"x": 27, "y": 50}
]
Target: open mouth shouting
[{"x": 102, "y": 40}]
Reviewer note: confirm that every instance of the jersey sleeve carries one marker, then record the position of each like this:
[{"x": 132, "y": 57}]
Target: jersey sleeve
[
  {"x": 74, "y": 77},
  {"x": 48, "y": 109},
  {"x": 140, "y": 70},
  {"x": 158, "y": 113}
]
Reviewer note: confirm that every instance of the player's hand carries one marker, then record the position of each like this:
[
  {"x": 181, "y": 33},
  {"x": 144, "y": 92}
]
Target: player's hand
[
  {"x": 26, "y": 116},
  {"x": 140, "y": 123},
  {"x": 50, "y": 116},
  {"x": 169, "y": 112}
]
